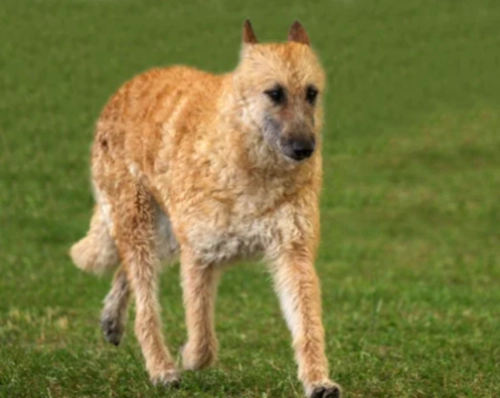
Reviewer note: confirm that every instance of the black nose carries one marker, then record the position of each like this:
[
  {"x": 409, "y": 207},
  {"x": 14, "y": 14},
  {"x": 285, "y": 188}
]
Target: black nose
[{"x": 302, "y": 149}]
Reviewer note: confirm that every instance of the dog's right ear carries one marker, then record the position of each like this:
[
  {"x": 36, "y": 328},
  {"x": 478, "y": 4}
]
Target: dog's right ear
[{"x": 248, "y": 33}]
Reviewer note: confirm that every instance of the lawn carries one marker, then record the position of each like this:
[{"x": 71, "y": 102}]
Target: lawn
[{"x": 410, "y": 254}]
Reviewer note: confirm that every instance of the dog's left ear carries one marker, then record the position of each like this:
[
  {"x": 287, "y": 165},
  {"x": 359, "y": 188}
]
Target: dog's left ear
[{"x": 298, "y": 34}]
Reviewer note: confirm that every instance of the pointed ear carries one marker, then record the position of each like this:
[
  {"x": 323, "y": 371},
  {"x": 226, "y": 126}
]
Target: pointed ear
[
  {"x": 298, "y": 34},
  {"x": 248, "y": 33}
]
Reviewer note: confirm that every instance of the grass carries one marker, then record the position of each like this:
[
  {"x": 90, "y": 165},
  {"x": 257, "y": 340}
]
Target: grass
[{"x": 410, "y": 257}]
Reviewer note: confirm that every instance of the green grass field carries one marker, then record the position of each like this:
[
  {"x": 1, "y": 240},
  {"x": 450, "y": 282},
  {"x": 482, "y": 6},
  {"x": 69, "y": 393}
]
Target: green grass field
[{"x": 410, "y": 255}]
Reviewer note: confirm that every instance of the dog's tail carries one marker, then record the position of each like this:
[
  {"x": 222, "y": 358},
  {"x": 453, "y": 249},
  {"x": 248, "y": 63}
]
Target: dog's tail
[{"x": 96, "y": 252}]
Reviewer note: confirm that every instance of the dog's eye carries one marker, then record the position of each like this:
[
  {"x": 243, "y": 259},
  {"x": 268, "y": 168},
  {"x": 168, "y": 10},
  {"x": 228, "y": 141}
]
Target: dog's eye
[
  {"x": 277, "y": 95},
  {"x": 311, "y": 94}
]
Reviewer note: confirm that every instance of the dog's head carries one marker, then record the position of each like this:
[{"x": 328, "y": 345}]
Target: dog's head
[{"x": 280, "y": 89}]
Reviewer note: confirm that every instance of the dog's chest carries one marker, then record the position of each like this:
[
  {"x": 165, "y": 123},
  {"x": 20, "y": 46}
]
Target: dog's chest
[
  {"x": 238, "y": 219},
  {"x": 224, "y": 233},
  {"x": 232, "y": 239}
]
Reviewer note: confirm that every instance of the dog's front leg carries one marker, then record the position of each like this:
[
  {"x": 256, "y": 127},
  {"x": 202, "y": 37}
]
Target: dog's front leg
[
  {"x": 135, "y": 224},
  {"x": 298, "y": 289},
  {"x": 199, "y": 284}
]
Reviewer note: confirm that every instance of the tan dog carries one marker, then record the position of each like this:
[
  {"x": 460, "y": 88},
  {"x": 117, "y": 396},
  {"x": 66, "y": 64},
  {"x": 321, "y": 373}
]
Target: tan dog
[{"x": 213, "y": 168}]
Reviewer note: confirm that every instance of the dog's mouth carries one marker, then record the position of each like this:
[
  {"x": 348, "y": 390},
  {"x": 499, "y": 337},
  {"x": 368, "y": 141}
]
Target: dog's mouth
[{"x": 297, "y": 148}]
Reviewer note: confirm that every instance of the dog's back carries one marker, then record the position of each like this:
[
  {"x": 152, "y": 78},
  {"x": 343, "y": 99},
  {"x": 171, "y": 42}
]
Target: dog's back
[
  {"x": 175, "y": 99},
  {"x": 154, "y": 111}
]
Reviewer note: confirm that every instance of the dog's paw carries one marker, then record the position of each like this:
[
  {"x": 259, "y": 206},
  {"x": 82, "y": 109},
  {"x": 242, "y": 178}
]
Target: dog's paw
[
  {"x": 112, "y": 328},
  {"x": 325, "y": 390},
  {"x": 170, "y": 379}
]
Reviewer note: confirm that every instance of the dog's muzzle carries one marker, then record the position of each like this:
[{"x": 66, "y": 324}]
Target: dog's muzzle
[{"x": 298, "y": 149}]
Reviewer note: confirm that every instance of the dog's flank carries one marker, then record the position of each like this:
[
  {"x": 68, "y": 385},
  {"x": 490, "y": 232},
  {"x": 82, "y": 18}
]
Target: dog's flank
[{"x": 213, "y": 168}]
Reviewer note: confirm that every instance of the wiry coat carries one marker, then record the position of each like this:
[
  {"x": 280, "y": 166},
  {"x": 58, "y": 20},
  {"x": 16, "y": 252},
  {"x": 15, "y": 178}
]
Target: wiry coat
[{"x": 189, "y": 163}]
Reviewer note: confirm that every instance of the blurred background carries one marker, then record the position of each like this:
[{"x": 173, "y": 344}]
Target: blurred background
[{"x": 410, "y": 254}]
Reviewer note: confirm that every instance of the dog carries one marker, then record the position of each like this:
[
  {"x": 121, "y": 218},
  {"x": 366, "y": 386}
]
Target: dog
[{"x": 211, "y": 169}]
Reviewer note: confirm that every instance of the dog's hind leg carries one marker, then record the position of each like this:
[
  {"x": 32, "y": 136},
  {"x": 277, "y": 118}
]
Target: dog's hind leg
[
  {"x": 114, "y": 313},
  {"x": 97, "y": 251}
]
